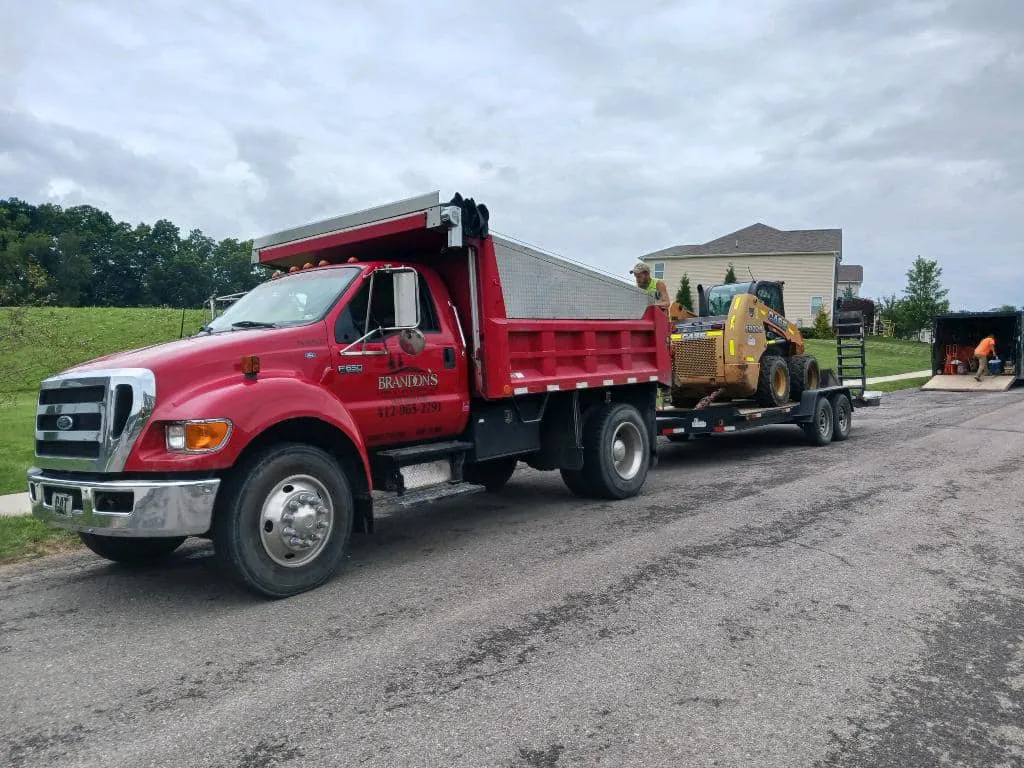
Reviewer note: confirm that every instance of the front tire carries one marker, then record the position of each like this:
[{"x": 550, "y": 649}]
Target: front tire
[
  {"x": 285, "y": 521},
  {"x": 616, "y": 452},
  {"x": 131, "y": 551}
]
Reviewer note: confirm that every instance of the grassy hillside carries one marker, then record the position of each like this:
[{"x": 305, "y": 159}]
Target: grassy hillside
[{"x": 36, "y": 342}]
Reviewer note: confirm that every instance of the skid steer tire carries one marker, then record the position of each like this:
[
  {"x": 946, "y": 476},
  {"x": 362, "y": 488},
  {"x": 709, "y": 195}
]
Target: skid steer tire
[
  {"x": 616, "y": 451},
  {"x": 803, "y": 375},
  {"x": 773, "y": 382},
  {"x": 680, "y": 399}
]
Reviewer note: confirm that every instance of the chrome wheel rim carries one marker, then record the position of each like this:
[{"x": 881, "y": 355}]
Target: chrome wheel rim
[
  {"x": 627, "y": 450},
  {"x": 296, "y": 521}
]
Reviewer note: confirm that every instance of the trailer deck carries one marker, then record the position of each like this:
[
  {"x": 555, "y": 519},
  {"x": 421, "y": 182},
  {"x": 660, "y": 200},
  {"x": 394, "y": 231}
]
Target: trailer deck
[{"x": 740, "y": 416}]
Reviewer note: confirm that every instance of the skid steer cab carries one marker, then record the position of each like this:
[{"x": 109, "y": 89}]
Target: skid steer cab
[{"x": 739, "y": 347}]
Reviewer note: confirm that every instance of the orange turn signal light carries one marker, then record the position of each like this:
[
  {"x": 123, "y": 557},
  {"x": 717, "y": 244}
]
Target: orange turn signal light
[
  {"x": 250, "y": 366},
  {"x": 206, "y": 435}
]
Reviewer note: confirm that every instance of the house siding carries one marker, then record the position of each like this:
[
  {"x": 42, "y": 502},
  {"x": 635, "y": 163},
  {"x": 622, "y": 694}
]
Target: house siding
[{"x": 805, "y": 276}]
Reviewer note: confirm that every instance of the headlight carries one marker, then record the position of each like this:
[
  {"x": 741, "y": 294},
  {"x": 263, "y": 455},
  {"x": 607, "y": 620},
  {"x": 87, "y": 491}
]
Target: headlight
[{"x": 199, "y": 436}]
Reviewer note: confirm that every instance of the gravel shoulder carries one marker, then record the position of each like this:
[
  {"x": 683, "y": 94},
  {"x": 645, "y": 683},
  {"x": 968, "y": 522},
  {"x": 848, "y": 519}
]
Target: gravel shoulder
[{"x": 761, "y": 603}]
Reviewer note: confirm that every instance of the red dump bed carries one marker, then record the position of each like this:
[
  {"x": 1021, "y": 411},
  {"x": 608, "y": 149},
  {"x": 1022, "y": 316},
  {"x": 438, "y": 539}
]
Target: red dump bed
[{"x": 532, "y": 323}]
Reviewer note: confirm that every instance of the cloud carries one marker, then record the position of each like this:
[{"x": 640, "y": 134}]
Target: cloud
[{"x": 592, "y": 132}]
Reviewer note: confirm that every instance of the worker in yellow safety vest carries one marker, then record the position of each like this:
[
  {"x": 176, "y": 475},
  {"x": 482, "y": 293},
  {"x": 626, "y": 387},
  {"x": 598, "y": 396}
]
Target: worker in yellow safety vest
[{"x": 646, "y": 283}]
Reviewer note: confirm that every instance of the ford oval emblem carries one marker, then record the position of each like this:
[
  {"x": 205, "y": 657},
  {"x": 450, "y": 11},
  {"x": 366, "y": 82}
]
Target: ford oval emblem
[{"x": 65, "y": 422}]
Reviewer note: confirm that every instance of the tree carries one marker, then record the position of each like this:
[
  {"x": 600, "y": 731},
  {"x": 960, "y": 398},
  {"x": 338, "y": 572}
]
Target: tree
[
  {"x": 80, "y": 256},
  {"x": 822, "y": 325},
  {"x": 684, "y": 296},
  {"x": 730, "y": 275},
  {"x": 848, "y": 292},
  {"x": 924, "y": 297}
]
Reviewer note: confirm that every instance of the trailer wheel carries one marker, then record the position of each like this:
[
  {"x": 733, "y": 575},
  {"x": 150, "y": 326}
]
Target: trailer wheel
[
  {"x": 773, "y": 382},
  {"x": 616, "y": 451},
  {"x": 491, "y": 474},
  {"x": 131, "y": 550},
  {"x": 842, "y": 413},
  {"x": 285, "y": 521},
  {"x": 803, "y": 375},
  {"x": 821, "y": 427}
]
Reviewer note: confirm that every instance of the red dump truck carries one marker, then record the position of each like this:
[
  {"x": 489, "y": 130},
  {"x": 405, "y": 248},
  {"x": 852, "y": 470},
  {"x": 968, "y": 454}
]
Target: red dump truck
[{"x": 403, "y": 349}]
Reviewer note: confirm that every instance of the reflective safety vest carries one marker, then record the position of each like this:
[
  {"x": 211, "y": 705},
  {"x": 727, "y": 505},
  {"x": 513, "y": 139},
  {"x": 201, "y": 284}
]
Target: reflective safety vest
[{"x": 652, "y": 287}]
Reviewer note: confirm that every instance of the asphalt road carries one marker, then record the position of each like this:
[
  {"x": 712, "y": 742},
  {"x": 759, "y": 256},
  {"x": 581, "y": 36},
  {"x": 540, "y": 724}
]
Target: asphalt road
[{"x": 762, "y": 603}]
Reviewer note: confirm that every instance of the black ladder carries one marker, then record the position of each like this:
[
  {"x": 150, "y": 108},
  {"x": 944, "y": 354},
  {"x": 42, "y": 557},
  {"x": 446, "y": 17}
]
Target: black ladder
[{"x": 850, "y": 349}]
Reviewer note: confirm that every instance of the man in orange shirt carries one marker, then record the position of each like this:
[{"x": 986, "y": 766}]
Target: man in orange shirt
[{"x": 981, "y": 352}]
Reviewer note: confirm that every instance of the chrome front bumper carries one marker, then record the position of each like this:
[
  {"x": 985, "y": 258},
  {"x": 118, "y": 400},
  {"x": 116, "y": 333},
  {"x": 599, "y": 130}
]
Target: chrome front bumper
[{"x": 125, "y": 507}]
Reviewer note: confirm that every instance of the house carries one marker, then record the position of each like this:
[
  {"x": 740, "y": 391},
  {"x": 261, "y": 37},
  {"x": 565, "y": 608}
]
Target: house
[
  {"x": 807, "y": 260},
  {"x": 850, "y": 279}
]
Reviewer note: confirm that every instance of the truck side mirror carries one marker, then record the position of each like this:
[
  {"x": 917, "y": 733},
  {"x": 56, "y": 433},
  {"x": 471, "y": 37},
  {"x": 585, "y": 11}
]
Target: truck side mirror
[{"x": 407, "y": 299}]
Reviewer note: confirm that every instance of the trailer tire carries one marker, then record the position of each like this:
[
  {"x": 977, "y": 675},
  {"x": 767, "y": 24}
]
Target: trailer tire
[
  {"x": 282, "y": 489},
  {"x": 803, "y": 375},
  {"x": 493, "y": 474},
  {"x": 616, "y": 451},
  {"x": 773, "y": 382},
  {"x": 821, "y": 428},
  {"x": 131, "y": 551},
  {"x": 842, "y": 417}
]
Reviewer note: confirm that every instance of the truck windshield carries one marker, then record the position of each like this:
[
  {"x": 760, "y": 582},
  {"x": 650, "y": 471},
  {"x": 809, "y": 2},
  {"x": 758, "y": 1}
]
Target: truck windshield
[
  {"x": 720, "y": 297},
  {"x": 296, "y": 299}
]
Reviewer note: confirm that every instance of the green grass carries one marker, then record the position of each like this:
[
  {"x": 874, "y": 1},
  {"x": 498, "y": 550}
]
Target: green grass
[
  {"x": 885, "y": 357},
  {"x": 894, "y": 386},
  {"x": 17, "y": 428},
  {"x": 37, "y": 342},
  {"x": 25, "y": 538}
]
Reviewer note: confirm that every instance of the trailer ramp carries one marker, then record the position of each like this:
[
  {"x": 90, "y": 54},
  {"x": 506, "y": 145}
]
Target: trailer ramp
[{"x": 968, "y": 383}]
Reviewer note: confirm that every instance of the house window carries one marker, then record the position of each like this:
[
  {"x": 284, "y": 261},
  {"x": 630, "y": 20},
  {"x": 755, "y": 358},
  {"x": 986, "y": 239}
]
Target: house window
[
  {"x": 817, "y": 302},
  {"x": 659, "y": 270}
]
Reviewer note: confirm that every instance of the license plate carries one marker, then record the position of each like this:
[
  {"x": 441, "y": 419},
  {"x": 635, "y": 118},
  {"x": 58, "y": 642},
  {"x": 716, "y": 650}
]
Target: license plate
[{"x": 62, "y": 503}]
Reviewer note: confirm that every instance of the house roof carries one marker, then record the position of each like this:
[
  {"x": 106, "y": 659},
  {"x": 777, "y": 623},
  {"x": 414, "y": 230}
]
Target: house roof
[
  {"x": 851, "y": 273},
  {"x": 760, "y": 238}
]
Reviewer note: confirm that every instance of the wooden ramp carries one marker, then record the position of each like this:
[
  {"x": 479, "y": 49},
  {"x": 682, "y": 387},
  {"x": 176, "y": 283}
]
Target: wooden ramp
[{"x": 969, "y": 384}]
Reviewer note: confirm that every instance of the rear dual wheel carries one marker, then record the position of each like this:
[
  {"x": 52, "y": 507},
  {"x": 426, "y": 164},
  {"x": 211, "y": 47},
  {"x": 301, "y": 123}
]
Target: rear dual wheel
[{"x": 616, "y": 454}]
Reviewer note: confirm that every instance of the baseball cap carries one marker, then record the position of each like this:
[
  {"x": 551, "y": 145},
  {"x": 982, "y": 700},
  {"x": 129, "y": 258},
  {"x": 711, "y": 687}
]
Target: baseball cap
[{"x": 640, "y": 267}]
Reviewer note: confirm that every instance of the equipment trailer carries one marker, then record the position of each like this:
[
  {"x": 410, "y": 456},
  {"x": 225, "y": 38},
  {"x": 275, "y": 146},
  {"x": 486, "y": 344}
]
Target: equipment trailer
[{"x": 824, "y": 414}]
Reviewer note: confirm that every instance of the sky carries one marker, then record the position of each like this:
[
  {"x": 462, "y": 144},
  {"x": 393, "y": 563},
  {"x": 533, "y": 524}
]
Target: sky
[{"x": 595, "y": 130}]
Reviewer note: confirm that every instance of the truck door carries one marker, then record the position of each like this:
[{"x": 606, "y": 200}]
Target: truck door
[{"x": 393, "y": 396}]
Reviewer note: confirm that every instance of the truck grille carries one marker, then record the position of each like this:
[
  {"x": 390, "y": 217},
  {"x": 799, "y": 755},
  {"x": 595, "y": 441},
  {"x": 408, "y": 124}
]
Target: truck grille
[
  {"x": 89, "y": 421},
  {"x": 696, "y": 358}
]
